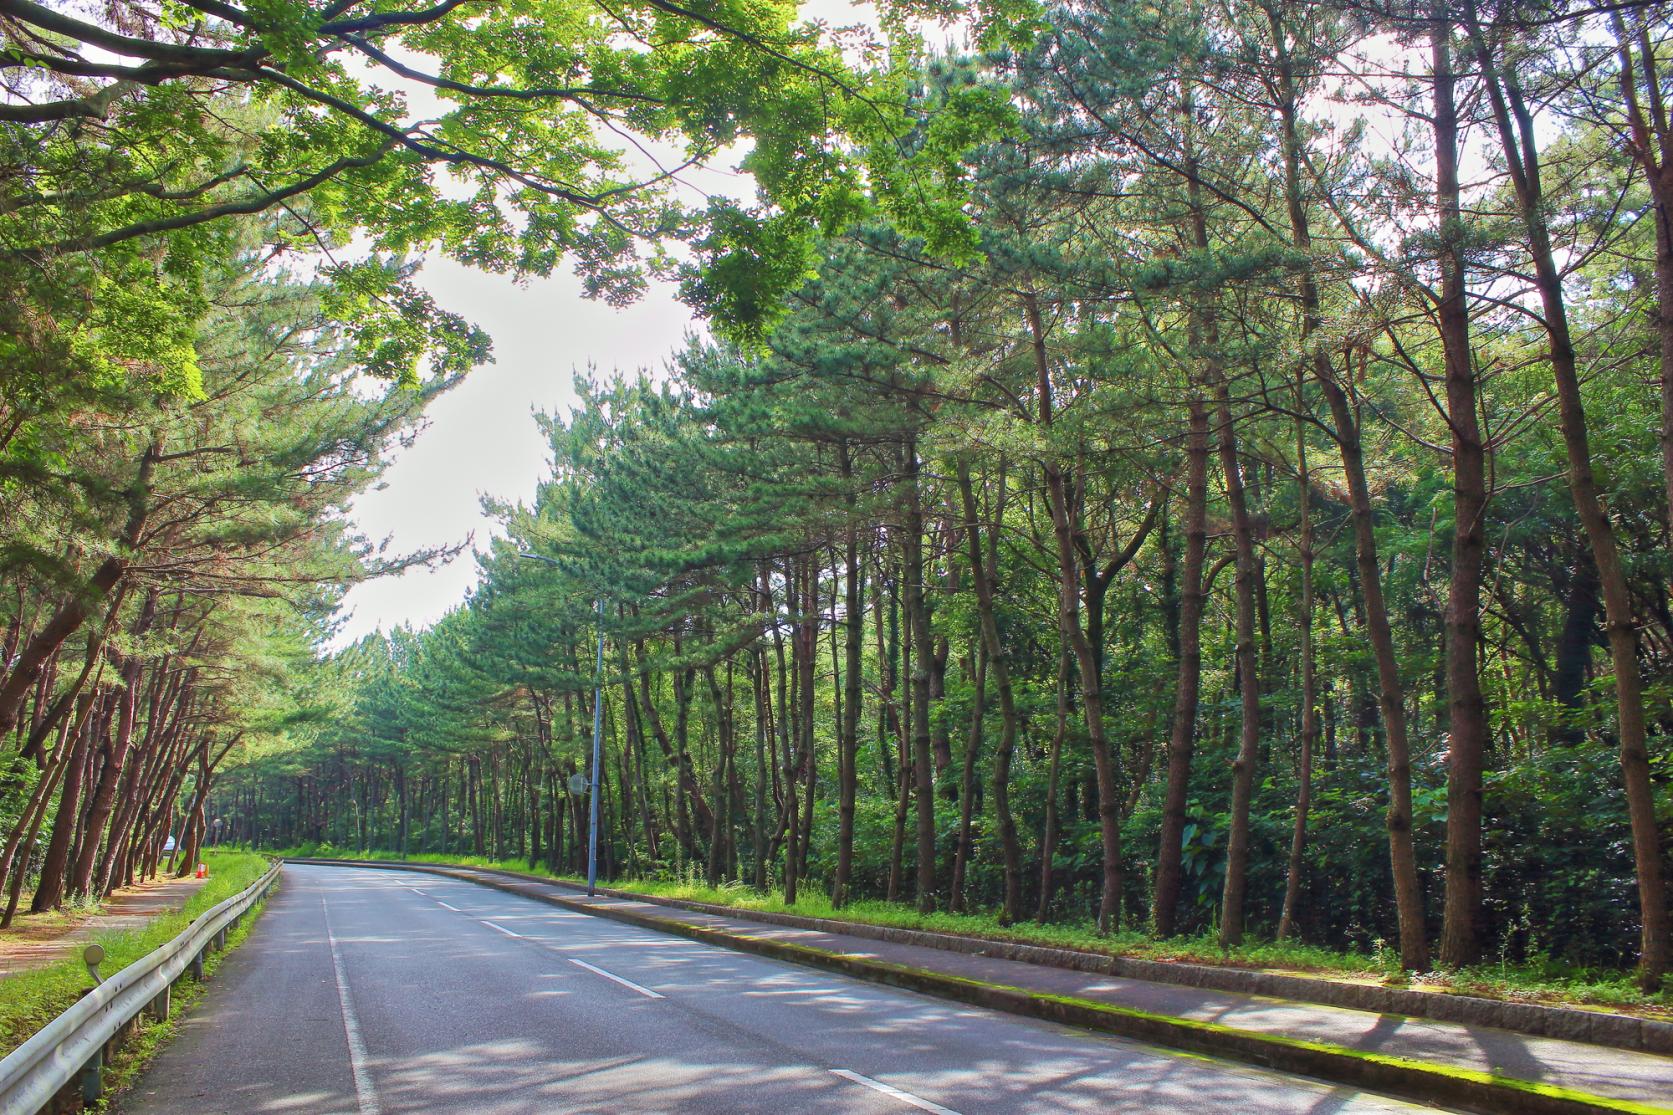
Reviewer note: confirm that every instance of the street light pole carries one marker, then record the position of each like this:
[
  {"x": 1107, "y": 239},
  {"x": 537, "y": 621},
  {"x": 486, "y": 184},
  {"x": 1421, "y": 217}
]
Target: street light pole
[
  {"x": 598, "y": 735},
  {"x": 598, "y": 731}
]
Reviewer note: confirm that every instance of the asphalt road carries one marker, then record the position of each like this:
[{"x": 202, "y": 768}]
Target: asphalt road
[{"x": 367, "y": 992}]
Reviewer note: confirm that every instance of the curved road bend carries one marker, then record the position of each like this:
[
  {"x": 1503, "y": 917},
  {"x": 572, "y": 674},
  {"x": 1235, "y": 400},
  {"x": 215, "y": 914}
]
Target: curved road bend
[{"x": 367, "y": 992}]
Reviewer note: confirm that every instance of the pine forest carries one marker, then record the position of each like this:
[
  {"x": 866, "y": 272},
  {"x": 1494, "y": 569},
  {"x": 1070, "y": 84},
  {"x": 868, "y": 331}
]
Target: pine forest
[{"x": 1152, "y": 471}]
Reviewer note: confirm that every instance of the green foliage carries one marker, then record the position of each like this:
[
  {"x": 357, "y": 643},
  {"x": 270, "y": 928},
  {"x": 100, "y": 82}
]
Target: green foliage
[
  {"x": 1023, "y": 273},
  {"x": 32, "y": 998}
]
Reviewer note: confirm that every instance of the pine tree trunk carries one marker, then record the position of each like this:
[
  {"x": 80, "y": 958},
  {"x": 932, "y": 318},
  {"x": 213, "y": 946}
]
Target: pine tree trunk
[
  {"x": 1092, "y": 703},
  {"x": 1182, "y": 736},
  {"x": 808, "y": 766},
  {"x": 967, "y": 780},
  {"x": 848, "y": 739},
  {"x": 1054, "y": 765},
  {"x": 1461, "y": 930},
  {"x": 917, "y": 616},
  {"x": 1204, "y": 327},
  {"x": 792, "y": 815},
  {"x": 1408, "y": 890},
  {"x": 104, "y": 794},
  {"x": 1243, "y": 767},
  {"x": 1515, "y": 128},
  {"x": 982, "y": 571},
  {"x": 144, "y": 759},
  {"x": 475, "y": 783},
  {"x": 763, "y": 714},
  {"x": 1309, "y": 688},
  {"x": 49, "y": 891}
]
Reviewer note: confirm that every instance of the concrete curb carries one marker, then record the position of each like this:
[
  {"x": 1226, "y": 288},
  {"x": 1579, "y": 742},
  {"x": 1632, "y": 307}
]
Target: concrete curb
[
  {"x": 1618, "y": 1031},
  {"x": 1488, "y": 1093}
]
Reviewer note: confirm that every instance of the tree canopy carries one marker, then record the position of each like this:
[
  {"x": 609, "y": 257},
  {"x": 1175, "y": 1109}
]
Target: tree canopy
[{"x": 1192, "y": 469}]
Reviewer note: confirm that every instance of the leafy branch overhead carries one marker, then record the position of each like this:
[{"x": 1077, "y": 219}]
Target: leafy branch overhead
[{"x": 510, "y": 133}]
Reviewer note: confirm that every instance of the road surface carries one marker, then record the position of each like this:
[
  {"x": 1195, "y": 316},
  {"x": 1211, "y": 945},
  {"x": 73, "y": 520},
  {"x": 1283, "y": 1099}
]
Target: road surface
[{"x": 368, "y": 992}]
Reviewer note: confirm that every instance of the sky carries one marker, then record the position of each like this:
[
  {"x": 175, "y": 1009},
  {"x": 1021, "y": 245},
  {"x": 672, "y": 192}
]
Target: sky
[{"x": 481, "y": 438}]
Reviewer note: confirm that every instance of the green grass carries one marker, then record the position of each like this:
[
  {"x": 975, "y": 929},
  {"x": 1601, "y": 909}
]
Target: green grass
[
  {"x": 150, "y": 1036},
  {"x": 1546, "y": 983},
  {"x": 30, "y": 999}
]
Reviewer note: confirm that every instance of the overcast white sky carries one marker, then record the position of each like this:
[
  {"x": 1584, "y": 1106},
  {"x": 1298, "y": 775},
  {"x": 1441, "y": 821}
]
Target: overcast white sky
[{"x": 481, "y": 438}]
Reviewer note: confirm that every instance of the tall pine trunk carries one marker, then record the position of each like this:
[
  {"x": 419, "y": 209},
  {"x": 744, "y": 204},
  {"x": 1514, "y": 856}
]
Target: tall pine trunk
[
  {"x": 1232, "y": 895},
  {"x": 923, "y": 652},
  {"x": 1054, "y": 765},
  {"x": 967, "y": 780},
  {"x": 1204, "y": 325},
  {"x": 1466, "y": 708},
  {"x": 848, "y": 738},
  {"x": 1408, "y": 887},
  {"x": 1058, "y": 500},
  {"x": 1515, "y": 127},
  {"x": 983, "y": 569},
  {"x": 1183, "y": 732},
  {"x": 1309, "y": 685}
]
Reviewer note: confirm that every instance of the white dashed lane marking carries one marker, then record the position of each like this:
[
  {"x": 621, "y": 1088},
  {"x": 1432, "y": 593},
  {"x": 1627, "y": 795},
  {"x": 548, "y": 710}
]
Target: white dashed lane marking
[
  {"x": 627, "y": 983},
  {"x": 593, "y": 968},
  {"x": 904, "y": 1097}
]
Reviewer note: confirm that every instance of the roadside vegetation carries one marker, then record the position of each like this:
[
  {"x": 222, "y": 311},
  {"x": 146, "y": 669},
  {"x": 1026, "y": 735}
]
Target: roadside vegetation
[
  {"x": 1165, "y": 476},
  {"x": 151, "y": 1036},
  {"x": 30, "y": 999},
  {"x": 1255, "y": 529}
]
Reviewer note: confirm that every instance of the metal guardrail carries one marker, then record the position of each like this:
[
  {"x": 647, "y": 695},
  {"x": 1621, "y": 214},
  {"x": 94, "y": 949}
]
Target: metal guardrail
[{"x": 73, "y": 1045}]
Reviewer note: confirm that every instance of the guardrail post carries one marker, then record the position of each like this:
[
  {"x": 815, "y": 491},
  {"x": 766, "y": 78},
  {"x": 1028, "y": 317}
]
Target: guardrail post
[
  {"x": 42, "y": 1071},
  {"x": 92, "y": 1077}
]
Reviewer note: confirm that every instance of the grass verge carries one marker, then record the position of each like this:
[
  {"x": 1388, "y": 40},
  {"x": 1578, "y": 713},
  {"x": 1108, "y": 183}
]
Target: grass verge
[
  {"x": 150, "y": 1036},
  {"x": 1551, "y": 984},
  {"x": 30, "y": 999}
]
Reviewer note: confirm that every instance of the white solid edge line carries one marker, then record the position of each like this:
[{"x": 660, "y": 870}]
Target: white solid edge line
[
  {"x": 366, "y": 1096},
  {"x": 887, "y": 1090},
  {"x": 503, "y": 929},
  {"x": 627, "y": 983}
]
